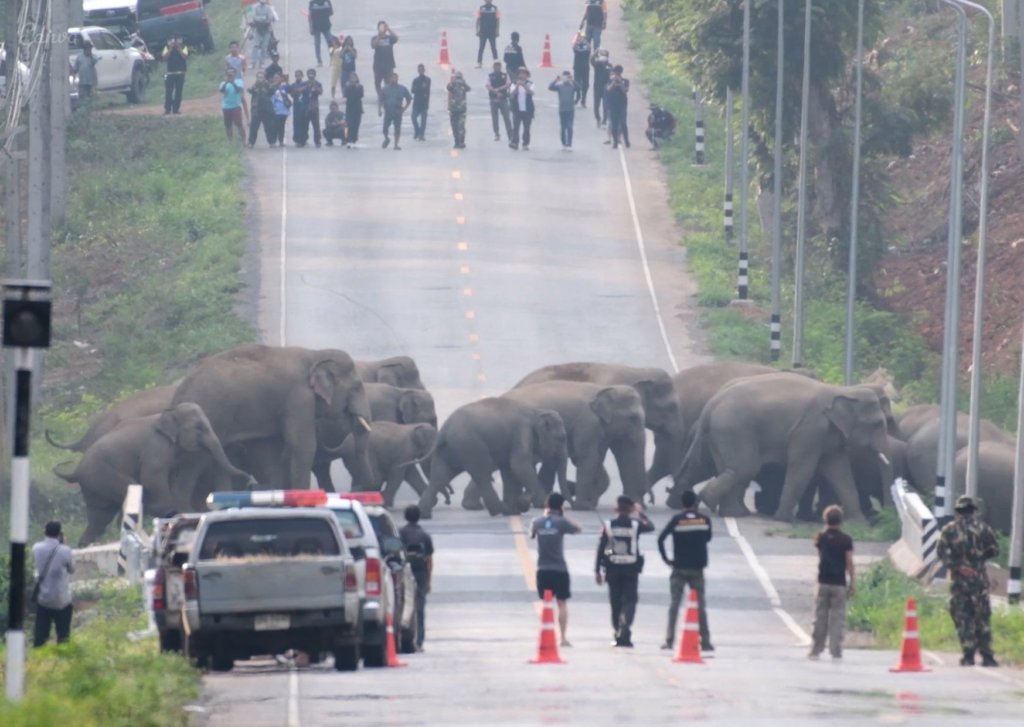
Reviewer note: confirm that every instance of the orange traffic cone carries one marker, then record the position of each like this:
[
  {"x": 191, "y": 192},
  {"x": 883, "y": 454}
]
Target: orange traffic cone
[
  {"x": 545, "y": 59},
  {"x": 689, "y": 637},
  {"x": 391, "y": 653},
  {"x": 910, "y": 658},
  {"x": 444, "y": 60},
  {"x": 547, "y": 649}
]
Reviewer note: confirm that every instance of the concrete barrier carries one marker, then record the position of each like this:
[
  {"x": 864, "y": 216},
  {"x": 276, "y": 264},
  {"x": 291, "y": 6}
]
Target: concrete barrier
[{"x": 914, "y": 553}]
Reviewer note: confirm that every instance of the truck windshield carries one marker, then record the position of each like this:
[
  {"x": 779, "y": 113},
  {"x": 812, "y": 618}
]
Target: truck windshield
[
  {"x": 277, "y": 538},
  {"x": 383, "y": 526}
]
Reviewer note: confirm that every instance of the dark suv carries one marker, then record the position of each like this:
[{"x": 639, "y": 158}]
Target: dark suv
[{"x": 160, "y": 20}]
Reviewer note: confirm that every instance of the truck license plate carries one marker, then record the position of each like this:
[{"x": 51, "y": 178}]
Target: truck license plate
[{"x": 272, "y": 622}]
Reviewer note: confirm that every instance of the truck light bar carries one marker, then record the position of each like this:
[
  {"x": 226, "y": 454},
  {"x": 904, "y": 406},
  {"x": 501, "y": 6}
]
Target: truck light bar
[
  {"x": 366, "y": 498},
  {"x": 266, "y": 498}
]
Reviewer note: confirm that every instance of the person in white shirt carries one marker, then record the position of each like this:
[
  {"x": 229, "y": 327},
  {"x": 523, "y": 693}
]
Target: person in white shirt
[
  {"x": 54, "y": 563},
  {"x": 522, "y": 110}
]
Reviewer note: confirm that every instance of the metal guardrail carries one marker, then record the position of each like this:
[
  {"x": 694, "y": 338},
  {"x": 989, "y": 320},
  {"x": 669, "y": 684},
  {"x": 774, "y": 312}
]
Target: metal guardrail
[{"x": 915, "y": 552}]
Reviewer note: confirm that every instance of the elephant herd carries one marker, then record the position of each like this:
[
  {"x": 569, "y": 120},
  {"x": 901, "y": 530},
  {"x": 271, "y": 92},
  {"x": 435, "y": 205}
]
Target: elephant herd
[{"x": 263, "y": 416}]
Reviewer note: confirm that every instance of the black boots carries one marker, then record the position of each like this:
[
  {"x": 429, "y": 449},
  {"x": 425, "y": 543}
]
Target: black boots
[
  {"x": 968, "y": 658},
  {"x": 987, "y": 659}
]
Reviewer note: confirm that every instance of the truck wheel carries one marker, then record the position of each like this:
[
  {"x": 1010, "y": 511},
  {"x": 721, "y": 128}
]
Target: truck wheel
[
  {"x": 170, "y": 641},
  {"x": 221, "y": 661},
  {"x": 346, "y": 658},
  {"x": 207, "y": 44},
  {"x": 137, "y": 93},
  {"x": 373, "y": 656}
]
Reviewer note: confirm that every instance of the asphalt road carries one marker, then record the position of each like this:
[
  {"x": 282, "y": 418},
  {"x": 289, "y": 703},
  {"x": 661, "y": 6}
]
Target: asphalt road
[{"x": 484, "y": 264}]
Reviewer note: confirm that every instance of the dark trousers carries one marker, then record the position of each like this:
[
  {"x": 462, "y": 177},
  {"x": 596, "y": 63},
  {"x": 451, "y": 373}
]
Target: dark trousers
[
  {"x": 500, "y": 106},
  {"x": 480, "y": 53},
  {"x": 47, "y": 617},
  {"x": 522, "y": 127},
  {"x": 393, "y": 119},
  {"x": 419, "y": 121},
  {"x": 317, "y": 34},
  {"x": 313, "y": 119},
  {"x": 421, "y": 610},
  {"x": 233, "y": 120},
  {"x": 600, "y": 110},
  {"x": 623, "y": 595},
  {"x": 620, "y": 132},
  {"x": 267, "y": 120},
  {"x": 565, "y": 119},
  {"x": 173, "y": 85},
  {"x": 277, "y": 130},
  {"x": 354, "y": 118},
  {"x": 584, "y": 86},
  {"x": 300, "y": 125},
  {"x": 334, "y": 133}
]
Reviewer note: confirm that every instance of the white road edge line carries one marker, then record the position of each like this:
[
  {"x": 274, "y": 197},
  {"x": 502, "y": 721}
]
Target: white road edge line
[
  {"x": 293, "y": 697},
  {"x": 765, "y": 580},
  {"x": 641, "y": 247}
]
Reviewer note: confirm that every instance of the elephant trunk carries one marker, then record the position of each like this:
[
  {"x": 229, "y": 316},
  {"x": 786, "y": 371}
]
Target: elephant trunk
[
  {"x": 629, "y": 456},
  {"x": 359, "y": 417},
  {"x": 564, "y": 485},
  {"x": 69, "y": 477},
  {"x": 213, "y": 446}
]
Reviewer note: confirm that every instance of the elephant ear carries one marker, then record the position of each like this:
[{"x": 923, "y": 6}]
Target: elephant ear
[
  {"x": 547, "y": 424},
  {"x": 167, "y": 425},
  {"x": 843, "y": 413},
  {"x": 605, "y": 405},
  {"x": 423, "y": 437},
  {"x": 323, "y": 381},
  {"x": 407, "y": 407}
]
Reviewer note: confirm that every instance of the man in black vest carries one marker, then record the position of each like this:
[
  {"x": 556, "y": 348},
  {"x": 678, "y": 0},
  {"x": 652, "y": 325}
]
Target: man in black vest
[
  {"x": 488, "y": 23},
  {"x": 618, "y": 554},
  {"x": 176, "y": 57},
  {"x": 320, "y": 12},
  {"x": 691, "y": 532}
]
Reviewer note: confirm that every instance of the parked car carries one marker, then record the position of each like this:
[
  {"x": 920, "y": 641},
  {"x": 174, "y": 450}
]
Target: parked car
[
  {"x": 266, "y": 580},
  {"x": 161, "y": 20},
  {"x": 172, "y": 545},
  {"x": 120, "y": 17},
  {"x": 121, "y": 68}
]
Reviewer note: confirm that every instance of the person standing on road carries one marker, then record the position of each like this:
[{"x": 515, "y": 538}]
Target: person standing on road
[
  {"x": 618, "y": 555},
  {"x": 233, "y": 105},
  {"x": 274, "y": 70},
  {"x": 54, "y": 562},
  {"x": 522, "y": 110},
  {"x": 315, "y": 90},
  {"x": 488, "y": 27},
  {"x": 566, "y": 89},
  {"x": 282, "y": 107},
  {"x": 175, "y": 55},
  {"x": 262, "y": 93},
  {"x": 602, "y": 74},
  {"x": 690, "y": 531},
  {"x": 616, "y": 101},
  {"x": 419, "y": 550},
  {"x": 498, "y": 86},
  {"x": 964, "y": 546},
  {"x": 595, "y": 20},
  {"x": 835, "y": 563},
  {"x": 235, "y": 59},
  {"x": 420, "y": 103},
  {"x": 348, "y": 60},
  {"x": 334, "y": 125},
  {"x": 552, "y": 571},
  {"x": 383, "y": 45},
  {"x": 513, "y": 57},
  {"x": 581, "y": 67},
  {"x": 334, "y": 53},
  {"x": 300, "y": 92},
  {"x": 457, "y": 90},
  {"x": 353, "y": 93},
  {"x": 85, "y": 71},
  {"x": 320, "y": 12},
  {"x": 393, "y": 100}
]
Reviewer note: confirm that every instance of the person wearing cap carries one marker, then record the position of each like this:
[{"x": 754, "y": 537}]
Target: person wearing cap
[
  {"x": 835, "y": 563},
  {"x": 616, "y": 103},
  {"x": 690, "y": 531},
  {"x": 85, "y": 70},
  {"x": 498, "y": 86},
  {"x": 175, "y": 55},
  {"x": 567, "y": 91},
  {"x": 513, "y": 57},
  {"x": 457, "y": 90},
  {"x": 488, "y": 26},
  {"x": 549, "y": 530},
  {"x": 964, "y": 546},
  {"x": 602, "y": 66},
  {"x": 619, "y": 563},
  {"x": 581, "y": 67}
]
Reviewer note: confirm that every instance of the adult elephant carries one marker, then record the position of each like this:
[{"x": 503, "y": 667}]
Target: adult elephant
[
  {"x": 996, "y": 462},
  {"x": 780, "y": 419},
  {"x": 278, "y": 393},
  {"x": 394, "y": 451},
  {"x": 387, "y": 404},
  {"x": 914, "y": 418},
  {"x": 923, "y": 447},
  {"x": 660, "y": 403},
  {"x": 597, "y": 419},
  {"x": 165, "y": 453},
  {"x": 139, "y": 404},
  {"x": 497, "y": 434},
  {"x": 400, "y": 371}
]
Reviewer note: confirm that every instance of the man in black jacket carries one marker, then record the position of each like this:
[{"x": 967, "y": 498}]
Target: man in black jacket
[
  {"x": 691, "y": 532},
  {"x": 488, "y": 24},
  {"x": 420, "y": 103},
  {"x": 176, "y": 57},
  {"x": 320, "y": 12},
  {"x": 618, "y": 554}
]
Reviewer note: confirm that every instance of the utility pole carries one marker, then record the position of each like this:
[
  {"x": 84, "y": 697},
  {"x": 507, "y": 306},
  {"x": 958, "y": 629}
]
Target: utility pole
[
  {"x": 742, "y": 277},
  {"x": 801, "y": 208},
  {"x": 775, "y": 341},
  {"x": 727, "y": 203},
  {"x": 39, "y": 172},
  {"x": 60, "y": 107}
]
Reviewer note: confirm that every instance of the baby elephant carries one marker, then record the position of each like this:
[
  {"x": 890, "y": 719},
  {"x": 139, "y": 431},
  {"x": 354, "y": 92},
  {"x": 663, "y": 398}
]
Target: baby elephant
[{"x": 394, "y": 450}]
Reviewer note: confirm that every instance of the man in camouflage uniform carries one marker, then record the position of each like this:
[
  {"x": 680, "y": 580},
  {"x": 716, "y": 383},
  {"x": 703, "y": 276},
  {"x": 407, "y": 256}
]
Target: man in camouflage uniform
[
  {"x": 457, "y": 90},
  {"x": 964, "y": 546}
]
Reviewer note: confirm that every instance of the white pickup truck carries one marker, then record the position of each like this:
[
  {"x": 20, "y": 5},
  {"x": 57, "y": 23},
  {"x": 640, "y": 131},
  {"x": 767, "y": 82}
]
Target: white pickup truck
[{"x": 265, "y": 580}]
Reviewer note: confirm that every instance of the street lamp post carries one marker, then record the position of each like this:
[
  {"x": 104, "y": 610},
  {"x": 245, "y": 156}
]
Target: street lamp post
[
  {"x": 801, "y": 208},
  {"x": 851, "y": 291},
  {"x": 780, "y": 61},
  {"x": 742, "y": 280}
]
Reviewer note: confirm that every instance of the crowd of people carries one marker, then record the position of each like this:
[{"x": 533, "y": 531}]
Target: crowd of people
[{"x": 274, "y": 96}]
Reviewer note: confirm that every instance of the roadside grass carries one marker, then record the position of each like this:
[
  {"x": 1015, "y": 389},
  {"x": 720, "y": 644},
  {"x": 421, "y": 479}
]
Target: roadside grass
[
  {"x": 100, "y": 678},
  {"x": 696, "y": 194},
  {"x": 206, "y": 70},
  {"x": 885, "y": 527},
  {"x": 146, "y": 272},
  {"x": 878, "y": 608}
]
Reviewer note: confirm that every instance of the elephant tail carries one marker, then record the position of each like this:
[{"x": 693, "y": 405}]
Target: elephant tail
[
  {"x": 74, "y": 446},
  {"x": 697, "y": 464},
  {"x": 61, "y": 470}
]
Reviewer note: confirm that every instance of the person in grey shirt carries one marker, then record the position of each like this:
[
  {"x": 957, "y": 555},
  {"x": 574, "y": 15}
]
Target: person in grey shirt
[
  {"x": 567, "y": 91},
  {"x": 552, "y": 571},
  {"x": 85, "y": 71},
  {"x": 394, "y": 99},
  {"x": 54, "y": 563}
]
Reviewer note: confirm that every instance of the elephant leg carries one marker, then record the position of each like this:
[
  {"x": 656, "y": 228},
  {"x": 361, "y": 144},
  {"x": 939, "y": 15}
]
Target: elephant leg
[
  {"x": 732, "y": 504},
  {"x": 471, "y": 497},
  {"x": 661, "y": 464},
  {"x": 799, "y": 473},
  {"x": 587, "y": 478},
  {"x": 806, "y": 511},
  {"x": 546, "y": 477},
  {"x": 415, "y": 479},
  {"x": 98, "y": 517},
  {"x": 523, "y": 471},
  {"x": 602, "y": 481},
  {"x": 485, "y": 484},
  {"x": 721, "y": 488},
  {"x": 441, "y": 473},
  {"x": 836, "y": 470},
  {"x": 322, "y": 472},
  {"x": 392, "y": 484},
  {"x": 515, "y": 500}
]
